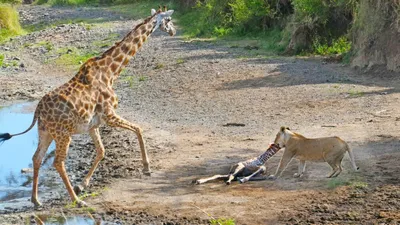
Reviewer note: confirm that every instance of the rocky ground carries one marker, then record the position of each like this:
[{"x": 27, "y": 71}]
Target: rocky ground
[{"x": 182, "y": 93}]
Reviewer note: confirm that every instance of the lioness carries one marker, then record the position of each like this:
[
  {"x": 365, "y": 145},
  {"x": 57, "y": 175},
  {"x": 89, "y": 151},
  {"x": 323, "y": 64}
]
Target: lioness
[{"x": 327, "y": 149}]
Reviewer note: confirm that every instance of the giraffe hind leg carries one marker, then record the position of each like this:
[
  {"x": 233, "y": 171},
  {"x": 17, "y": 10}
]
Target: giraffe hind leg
[
  {"x": 45, "y": 140},
  {"x": 116, "y": 121},
  {"x": 207, "y": 179}
]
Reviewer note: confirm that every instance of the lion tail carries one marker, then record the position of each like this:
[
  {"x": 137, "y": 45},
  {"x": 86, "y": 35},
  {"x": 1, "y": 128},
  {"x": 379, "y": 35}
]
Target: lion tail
[{"x": 353, "y": 163}]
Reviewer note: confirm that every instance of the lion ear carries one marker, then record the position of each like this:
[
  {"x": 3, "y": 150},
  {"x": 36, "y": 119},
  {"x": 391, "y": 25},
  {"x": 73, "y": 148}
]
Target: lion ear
[{"x": 283, "y": 129}]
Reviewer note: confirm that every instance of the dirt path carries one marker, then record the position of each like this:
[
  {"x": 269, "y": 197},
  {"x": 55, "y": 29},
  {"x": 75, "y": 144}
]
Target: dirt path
[{"x": 182, "y": 93}]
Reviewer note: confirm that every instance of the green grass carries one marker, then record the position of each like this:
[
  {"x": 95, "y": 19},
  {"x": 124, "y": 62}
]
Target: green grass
[
  {"x": 222, "y": 221},
  {"x": 337, "y": 182},
  {"x": 74, "y": 58},
  {"x": 159, "y": 66},
  {"x": 1, "y": 59},
  {"x": 355, "y": 93},
  {"x": 180, "y": 61},
  {"x": 9, "y": 22}
]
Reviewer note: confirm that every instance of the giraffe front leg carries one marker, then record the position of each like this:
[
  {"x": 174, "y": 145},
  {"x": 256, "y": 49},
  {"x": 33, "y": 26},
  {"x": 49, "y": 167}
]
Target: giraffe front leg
[
  {"x": 62, "y": 145},
  {"x": 260, "y": 170},
  {"x": 114, "y": 120},
  {"x": 95, "y": 135}
]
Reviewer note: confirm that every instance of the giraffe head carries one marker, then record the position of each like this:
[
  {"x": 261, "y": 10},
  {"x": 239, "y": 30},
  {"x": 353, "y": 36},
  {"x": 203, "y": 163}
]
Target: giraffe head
[{"x": 163, "y": 20}]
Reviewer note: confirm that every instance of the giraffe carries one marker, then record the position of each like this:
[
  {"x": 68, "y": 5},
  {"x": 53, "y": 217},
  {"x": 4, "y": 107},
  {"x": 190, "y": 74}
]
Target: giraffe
[
  {"x": 88, "y": 100},
  {"x": 251, "y": 169}
]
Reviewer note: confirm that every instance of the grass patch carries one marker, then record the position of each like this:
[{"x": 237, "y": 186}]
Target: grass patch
[
  {"x": 359, "y": 185},
  {"x": 1, "y": 59},
  {"x": 73, "y": 57},
  {"x": 355, "y": 93},
  {"x": 180, "y": 61},
  {"x": 337, "y": 182},
  {"x": 9, "y": 22},
  {"x": 222, "y": 221},
  {"x": 159, "y": 66}
]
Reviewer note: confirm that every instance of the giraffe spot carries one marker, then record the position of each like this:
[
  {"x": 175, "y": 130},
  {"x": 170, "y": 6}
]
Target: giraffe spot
[
  {"x": 144, "y": 38},
  {"x": 108, "y": 61},
  {"x": 139, "y": 44},
  {"x": 125, "y": 62},
  {"x": 81, "y": 111},
  {"x": 143, "y": 29},
  {"x": 148, "y": 32},
  {"x": 102, "y": 62},
  {"x": 99, "y": 108},
  {"x": 125, "y": 48},
  {"x": 106, "y": 95},
  {"x": 119, "y": 58},
  {"x": 114, "y": 67},
  {"x": 86, "y": 106},
  {"x": 104, "y": 79},
  {"x": 70, "y": 105},
  {"x": 100, "y": 99},
  {"x": 136, "y": 40},
  {"x": 116, "y": 52}
]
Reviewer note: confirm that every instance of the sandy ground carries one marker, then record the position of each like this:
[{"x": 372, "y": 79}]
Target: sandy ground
[{"x": 183, "y": 92}]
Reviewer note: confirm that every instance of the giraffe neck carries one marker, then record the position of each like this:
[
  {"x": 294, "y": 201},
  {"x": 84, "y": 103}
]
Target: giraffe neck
[
  {"x": 110, "y": 64},
  {"x": 272, "y": 150}
]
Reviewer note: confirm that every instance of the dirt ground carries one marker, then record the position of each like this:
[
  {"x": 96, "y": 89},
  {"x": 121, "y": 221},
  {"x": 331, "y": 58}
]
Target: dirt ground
[{"x": 182, "y": 93}]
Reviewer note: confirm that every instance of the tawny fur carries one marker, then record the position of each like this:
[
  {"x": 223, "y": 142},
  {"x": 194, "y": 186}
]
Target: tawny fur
[{"x": 326, "y": 149}]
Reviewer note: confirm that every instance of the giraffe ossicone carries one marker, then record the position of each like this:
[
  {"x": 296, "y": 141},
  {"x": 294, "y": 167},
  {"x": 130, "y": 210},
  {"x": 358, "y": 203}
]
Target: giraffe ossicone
[{"x": 88, "y": 100}]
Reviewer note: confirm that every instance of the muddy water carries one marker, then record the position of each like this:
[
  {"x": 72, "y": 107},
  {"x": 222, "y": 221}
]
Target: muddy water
[
  {"x": 67, "y": 220},
  {"x": 16, "y": 153}
]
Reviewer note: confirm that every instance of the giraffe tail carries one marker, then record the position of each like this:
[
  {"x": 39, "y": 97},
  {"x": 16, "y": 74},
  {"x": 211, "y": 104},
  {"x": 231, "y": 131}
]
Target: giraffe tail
[{"x": 6, "y": 136}]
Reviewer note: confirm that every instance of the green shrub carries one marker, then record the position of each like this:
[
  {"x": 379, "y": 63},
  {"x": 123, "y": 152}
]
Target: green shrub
[
  {"x": 9, "y": 22},
  {"x": 338, "y": 46}
]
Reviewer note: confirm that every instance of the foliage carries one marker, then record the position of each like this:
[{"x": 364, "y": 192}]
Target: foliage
[
  {"x": 338, "y": 46},
  {"x": 223, "y": 17},
  {"x": 9, "y": 22},
  {"x": 12, "y": 2},
  {"x": 222, "y": 221}
]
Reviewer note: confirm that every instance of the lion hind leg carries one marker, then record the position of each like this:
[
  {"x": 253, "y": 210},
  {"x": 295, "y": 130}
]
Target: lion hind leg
[{"x": 335, "y": 168}]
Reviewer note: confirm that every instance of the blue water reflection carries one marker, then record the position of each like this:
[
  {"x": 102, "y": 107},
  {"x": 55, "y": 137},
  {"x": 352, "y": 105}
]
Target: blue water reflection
[{"x": 16, "y": 153}]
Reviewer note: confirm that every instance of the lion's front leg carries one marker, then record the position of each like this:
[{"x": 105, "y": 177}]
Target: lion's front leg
[
  {"x": 285, "y": 160},
  {"x": 302, "y": 168}
]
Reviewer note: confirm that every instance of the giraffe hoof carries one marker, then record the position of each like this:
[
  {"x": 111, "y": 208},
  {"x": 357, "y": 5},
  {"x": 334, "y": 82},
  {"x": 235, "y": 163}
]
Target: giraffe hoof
[
  {"x": 36, "y": 203},
  {"x": 78, "y": 189},
  {"x": 81, "y": 204},
  {"x": 228, "y": 183},
  {"x": 147, "y": 172}
]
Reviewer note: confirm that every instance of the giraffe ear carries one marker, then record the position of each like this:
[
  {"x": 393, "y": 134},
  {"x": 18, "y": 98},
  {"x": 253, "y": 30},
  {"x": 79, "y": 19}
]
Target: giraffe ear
[
  {"x": 153, "y": 11},
  {"x": 168, "y": 13}
]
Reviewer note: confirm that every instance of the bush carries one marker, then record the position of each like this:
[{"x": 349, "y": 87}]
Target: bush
[{"x": 9, "y": 22}]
